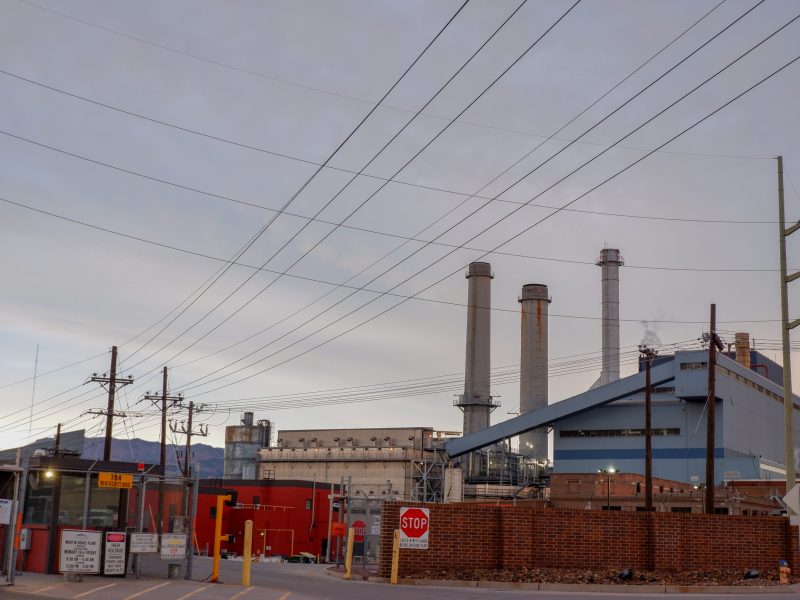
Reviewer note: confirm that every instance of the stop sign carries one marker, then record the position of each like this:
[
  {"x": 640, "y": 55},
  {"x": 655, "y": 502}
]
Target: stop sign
[
  {"x": 361, "y": 530},
  {"x": 414, "y": 524}
]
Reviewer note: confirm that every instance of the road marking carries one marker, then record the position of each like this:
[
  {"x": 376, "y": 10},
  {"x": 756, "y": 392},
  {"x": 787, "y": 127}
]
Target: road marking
[
  {"x": 97, "y": 589},
  {"x": 49, "y": 587},
  {"x": 150, "y": 589},
  {"x": 242, "y": 593},
  {"x": 192, "y": 593},
  {"x": 285, "y": 596}
]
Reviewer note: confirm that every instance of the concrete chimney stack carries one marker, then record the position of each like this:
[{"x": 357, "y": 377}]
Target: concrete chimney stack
[
  {"x": 610, "y": 261},
  {"x": 533, "y": 365},
  {"x": 476, "y": 401}
]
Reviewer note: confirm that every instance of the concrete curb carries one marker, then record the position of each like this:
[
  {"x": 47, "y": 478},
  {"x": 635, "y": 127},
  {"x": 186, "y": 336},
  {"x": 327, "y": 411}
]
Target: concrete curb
[{"x": 608, "y": 588}]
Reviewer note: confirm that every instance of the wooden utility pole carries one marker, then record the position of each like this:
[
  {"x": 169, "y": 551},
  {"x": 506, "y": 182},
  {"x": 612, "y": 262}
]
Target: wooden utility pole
[
  {"x": 786, "y": 326},
  {"x": 111, "y": 381},
  {"x": 57, "y": 444},
  {"x": 714, "y": 344},
  {"x": 648, "y": 354},
  {"x": 164, "y": 399},
  {"x": 188, "y": 430},
  {"x": 112, "y": 388}
]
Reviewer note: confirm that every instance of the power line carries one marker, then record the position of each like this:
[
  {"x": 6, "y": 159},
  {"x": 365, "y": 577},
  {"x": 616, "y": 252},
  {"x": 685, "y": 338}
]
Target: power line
[
  {"x": 316, "y": 280},
  {"x": 427, "y": 144},
  {"x": 696, "y": 123},
  {"x": 519, "y": 208},
  {"x": 354, "y": 98},
  {"x": 264, "y": 228}
]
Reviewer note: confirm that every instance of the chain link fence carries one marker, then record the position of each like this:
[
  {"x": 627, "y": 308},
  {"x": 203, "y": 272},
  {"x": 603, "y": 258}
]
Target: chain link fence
[{"x": 90, "y": 521}]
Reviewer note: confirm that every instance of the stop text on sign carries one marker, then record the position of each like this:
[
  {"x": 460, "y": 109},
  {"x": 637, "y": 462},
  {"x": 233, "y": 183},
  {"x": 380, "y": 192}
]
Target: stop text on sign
[{"x": 414, "y": 527}]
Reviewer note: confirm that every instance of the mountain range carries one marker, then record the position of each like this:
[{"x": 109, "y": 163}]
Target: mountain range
[{"x": 138, "y": 450}]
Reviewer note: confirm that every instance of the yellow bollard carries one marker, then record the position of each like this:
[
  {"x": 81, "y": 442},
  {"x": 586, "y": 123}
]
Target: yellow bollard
[
  {"x": 348, "y": 560},
  {"x": 217, "y": 538},
  {"x": 395, "y": 556},
  {"x": 246, "y": 551}
]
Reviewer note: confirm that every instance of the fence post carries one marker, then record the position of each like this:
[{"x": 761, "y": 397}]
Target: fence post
[
  {"x": 20, "y": 515},
  {"x": 192, "y": 516},
  {"x": 137, "y": 567},
  {"x": 87, "y": 486}
]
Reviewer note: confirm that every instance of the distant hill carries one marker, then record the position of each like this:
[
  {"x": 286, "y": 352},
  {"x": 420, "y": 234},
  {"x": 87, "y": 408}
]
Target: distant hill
[{"x": 136, "y": 450}]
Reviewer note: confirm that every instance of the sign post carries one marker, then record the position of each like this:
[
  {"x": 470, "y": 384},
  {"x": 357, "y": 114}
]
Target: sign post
[
  {"x": 80, "y": 551},
  {"x": 114, "y": 554},
  {"x": 173, "y": 547},
  {"x": 122, "y": 481},
  {"x": 414, "y": 526},
  {"x": 144, "y": 543}
]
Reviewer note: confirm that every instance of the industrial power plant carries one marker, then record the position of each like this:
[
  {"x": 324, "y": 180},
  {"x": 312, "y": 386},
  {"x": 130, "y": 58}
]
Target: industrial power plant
[{"x": 594, "y": 434}]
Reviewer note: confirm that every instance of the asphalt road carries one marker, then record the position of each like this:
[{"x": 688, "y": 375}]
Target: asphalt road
[{"x": 278, "y": 582}]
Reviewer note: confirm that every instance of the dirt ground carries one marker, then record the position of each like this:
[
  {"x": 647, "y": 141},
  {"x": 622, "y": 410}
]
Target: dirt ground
[{"x": 712, "y": 577}]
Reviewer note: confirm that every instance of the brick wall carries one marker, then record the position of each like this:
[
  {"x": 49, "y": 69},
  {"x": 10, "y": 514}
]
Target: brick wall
[{"x": 483, "y": 536}]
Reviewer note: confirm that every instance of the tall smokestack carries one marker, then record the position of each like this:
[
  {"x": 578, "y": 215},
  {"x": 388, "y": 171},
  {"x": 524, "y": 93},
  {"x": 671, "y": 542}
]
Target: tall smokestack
[
  {"x": 476, "y": 402},
  {"x": 610, "y": 261},
  {"x": 533, "y": 365}
]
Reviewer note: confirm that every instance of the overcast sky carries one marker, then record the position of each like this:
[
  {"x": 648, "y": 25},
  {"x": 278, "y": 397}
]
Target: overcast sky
[{"x": 295, "y": 79}]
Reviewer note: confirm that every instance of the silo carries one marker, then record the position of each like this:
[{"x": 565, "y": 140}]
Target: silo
[{"x": 242, "y": 443}]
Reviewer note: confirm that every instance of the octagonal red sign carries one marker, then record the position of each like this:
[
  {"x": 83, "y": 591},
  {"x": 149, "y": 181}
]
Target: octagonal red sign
[{"x": 414, "y": 527}]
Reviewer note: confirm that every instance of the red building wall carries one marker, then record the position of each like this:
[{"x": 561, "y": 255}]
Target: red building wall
[{"x": 288, "y": 516}]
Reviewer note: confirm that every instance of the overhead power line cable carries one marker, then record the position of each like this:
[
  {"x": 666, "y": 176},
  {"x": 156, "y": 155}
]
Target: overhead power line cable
[
  {"x": 594, "y": 188},
  {"x": 317, "y": 280},
  {"x": 224, "y": 65},
  {"x": 463, "y": 219},
  {"x": 337, "y": 194},
  {"x": 308, "y": 180}
]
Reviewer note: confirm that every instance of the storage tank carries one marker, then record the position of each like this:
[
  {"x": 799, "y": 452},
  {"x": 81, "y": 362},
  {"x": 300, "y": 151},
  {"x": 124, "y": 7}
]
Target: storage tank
[{"x": 242, "y": 443}]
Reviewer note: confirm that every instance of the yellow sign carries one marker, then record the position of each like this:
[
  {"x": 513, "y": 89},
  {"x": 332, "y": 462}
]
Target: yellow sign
[{"x": 115, "y": 480}]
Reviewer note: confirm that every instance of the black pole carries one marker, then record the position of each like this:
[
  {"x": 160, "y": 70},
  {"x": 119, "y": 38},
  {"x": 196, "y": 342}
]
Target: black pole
[
  {"x": 112, "y": 382},
  {"x": 712, "y": 402}
]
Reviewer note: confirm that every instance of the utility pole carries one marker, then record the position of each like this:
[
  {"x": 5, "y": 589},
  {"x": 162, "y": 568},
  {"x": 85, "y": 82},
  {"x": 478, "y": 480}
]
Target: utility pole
[
  {"x": 648, "y": 354},
  {"x": 57, "y": 444},
  {"x": 164, "y": 398},
  {"x": 112, "y": 382},
  {"x": 786, "y": 326},
  {"x": 714, "y": 344},
  {"x": 188, "y": 430}
]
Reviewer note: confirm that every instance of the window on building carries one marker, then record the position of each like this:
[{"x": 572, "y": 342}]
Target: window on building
[
  {"x": 681, "y": 509},
  {"x": 308, "y": 503},
  {"x": 612, "y": 508},
  {"x": 602, "y": 433},
  {"x": 721, "y": 510},
  {"x": 664, "y": 390},
  {"x": 256, "y": 500},
  {"x": 694, "y": 366}
]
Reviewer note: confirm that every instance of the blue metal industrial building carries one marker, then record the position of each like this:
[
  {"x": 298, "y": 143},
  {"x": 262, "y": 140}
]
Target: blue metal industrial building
[{"x": 604, "y": 427}]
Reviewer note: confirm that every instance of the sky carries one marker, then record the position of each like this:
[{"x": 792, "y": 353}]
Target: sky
[{"x": 145, "y": 147}]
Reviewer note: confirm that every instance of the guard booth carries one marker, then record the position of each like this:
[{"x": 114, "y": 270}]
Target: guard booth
[{"x": 73, "y": 493}]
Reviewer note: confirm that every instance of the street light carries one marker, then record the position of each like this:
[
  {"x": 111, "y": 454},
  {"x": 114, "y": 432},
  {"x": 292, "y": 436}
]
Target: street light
[{"x": 608, "y": 473}]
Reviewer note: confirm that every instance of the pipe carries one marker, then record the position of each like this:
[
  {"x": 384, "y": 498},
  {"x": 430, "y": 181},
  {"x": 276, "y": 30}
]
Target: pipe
[
  {"x": 533, "y": 391},
  {"x": 610, "y": 261}
]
